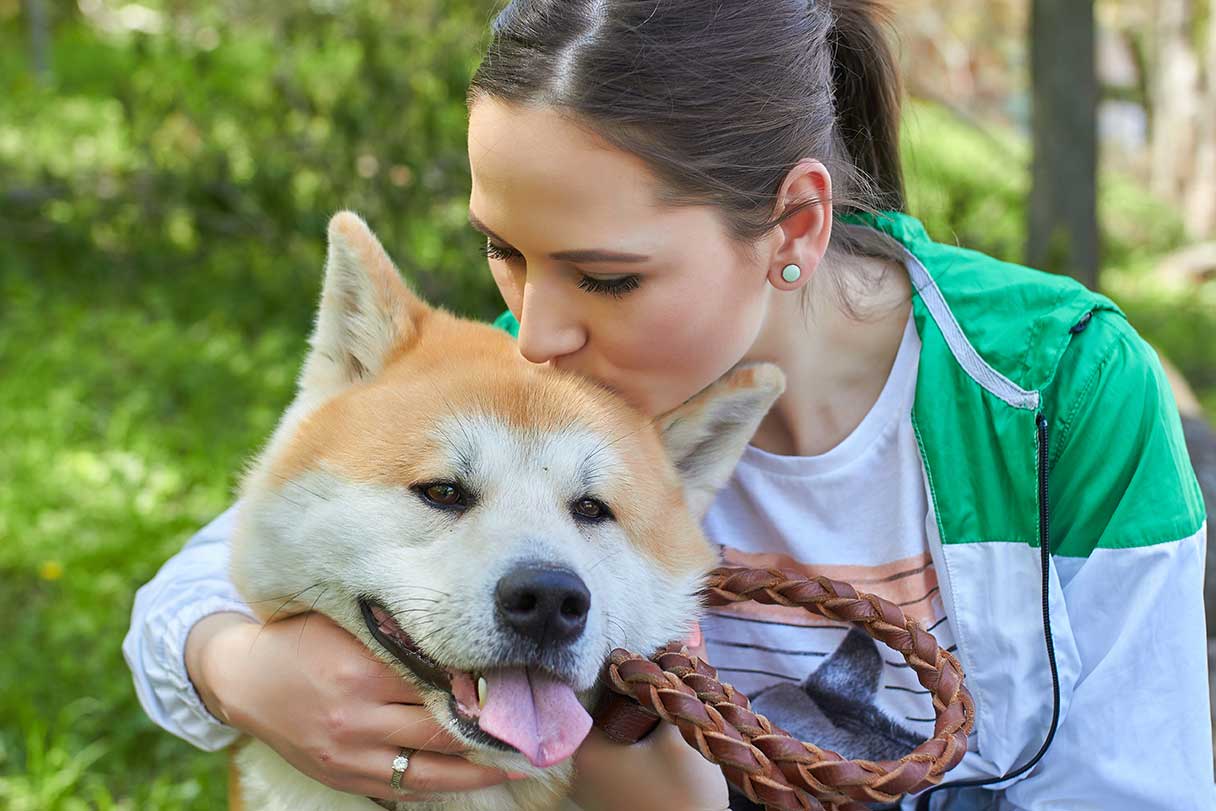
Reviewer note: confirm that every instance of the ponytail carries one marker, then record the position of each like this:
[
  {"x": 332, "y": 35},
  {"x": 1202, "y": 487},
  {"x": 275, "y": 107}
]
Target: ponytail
[{"x": 867, "y": 92}]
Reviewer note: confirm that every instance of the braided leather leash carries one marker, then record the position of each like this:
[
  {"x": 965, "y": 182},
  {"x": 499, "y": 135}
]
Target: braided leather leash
[{"x": 762, "y": 760}]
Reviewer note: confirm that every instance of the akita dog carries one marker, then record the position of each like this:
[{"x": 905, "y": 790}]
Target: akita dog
[{"x": 490, "y": 527}]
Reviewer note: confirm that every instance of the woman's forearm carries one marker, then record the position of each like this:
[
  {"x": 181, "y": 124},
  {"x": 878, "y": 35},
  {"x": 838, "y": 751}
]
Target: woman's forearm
[
  {"x": 190, "y": 587},
  {"x": 213, "y": 641}
]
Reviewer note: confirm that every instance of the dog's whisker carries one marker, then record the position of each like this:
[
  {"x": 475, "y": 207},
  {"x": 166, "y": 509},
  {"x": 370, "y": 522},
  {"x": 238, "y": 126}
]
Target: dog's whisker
[
  {"x": 424, "y": 639},
  {"x": 404, "y": 727},
  {"x": 282, "y": 497},
  {"x": 427, "y": 588},
  {"x": 307, "y": 617},
  {"x": 606, "y": 557},
  {"x": 275, "y": 613},
  {"x": 294, "y": 483},
  {"x": 611, "y": 622},
  {"x": 433, "y": 737},
  {"x": 616, "y": 440},
  {"x": 393, "y": 606},
  {"x": 288, "y": 598}
]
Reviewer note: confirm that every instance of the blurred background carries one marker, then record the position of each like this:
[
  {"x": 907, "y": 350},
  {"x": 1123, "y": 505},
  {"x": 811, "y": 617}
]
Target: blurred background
[{"x": 166, "y": 172}]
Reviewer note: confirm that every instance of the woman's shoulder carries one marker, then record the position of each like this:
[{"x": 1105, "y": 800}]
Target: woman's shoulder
[
  {"x": 1118, "y": 453},
  {"x": 1018, "y": 320}
]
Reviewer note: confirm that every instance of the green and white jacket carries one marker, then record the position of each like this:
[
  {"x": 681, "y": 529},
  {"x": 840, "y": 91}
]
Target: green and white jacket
[{"x": 1040, "y": 413}]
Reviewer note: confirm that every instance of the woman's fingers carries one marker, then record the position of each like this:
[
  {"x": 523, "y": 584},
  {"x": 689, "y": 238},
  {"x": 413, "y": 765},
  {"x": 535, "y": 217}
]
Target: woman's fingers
[
  {"x": 323, "y": 701},
  {"x": 377, "y": 681},
  {"x": 368, "y": 770},
  {"x": 664, "y": 772},
  {"x": 428, "y": 773},
  {"x": 413, "y": 727}
]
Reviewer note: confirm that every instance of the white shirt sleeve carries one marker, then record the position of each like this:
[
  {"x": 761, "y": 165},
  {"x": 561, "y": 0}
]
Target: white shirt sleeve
[{"x": 191, "y": 585}]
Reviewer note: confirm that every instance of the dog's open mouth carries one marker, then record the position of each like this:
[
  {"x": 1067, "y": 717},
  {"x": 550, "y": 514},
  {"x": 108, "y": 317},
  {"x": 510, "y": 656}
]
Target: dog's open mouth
[{"x": 525, "y": 708}]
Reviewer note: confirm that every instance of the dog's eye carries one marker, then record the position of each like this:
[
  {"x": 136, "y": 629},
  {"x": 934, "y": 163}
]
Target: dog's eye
[
  {"x": 444, "y": 494},
  {"x": 591, "y": 510}
]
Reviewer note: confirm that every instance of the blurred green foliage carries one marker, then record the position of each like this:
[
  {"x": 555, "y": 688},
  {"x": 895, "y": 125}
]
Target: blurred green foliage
[
  {"x": 206, "y": 159},
  {"x": 969, "y": 185},
  {"x": 162, "y": 211}
]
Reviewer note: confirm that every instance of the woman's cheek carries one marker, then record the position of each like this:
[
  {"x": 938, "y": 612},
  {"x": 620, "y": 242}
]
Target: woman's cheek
[
  {"x": 685, "y": 363},
  {"x": 700, "y": 346}
]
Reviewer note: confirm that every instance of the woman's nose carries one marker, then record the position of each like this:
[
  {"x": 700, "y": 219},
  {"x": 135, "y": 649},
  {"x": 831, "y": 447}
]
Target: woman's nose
[{"x": 547, "y": 327}]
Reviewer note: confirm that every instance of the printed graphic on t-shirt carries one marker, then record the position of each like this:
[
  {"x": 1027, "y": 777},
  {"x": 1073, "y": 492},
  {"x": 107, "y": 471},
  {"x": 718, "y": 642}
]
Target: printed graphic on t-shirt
[{"x": 825, "y": 682}]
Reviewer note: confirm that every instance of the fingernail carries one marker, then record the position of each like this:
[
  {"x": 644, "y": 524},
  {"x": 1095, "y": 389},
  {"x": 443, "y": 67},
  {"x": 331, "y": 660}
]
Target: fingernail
[{"x": 516, "y": 775}]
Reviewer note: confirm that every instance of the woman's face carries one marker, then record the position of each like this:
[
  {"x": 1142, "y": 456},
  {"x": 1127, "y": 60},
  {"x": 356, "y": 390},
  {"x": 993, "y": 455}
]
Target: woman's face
[{"x": 654, "y": 302}]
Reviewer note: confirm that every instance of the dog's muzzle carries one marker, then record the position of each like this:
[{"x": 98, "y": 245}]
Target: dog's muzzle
[{"x": 516, "y": 703}]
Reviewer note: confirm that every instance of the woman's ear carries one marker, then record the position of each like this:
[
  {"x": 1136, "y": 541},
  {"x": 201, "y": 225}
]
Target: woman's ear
[{"x": 804, "y": 236}]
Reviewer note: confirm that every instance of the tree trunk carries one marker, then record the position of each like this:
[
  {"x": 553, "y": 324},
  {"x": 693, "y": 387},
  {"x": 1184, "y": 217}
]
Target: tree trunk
[
  {"x": 1201, "y": 198},
  {"x": 1175, "y": 96},
  {"x": 1063, "y": 220},
  {"x": 39, "y": 33}
]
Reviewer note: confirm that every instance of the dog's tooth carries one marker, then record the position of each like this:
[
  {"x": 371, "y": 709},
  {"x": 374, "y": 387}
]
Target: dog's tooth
[{"x": 483, "y": 690}]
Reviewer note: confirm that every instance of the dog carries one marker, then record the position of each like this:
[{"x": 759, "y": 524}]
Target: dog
[{"x": 489, "y": 527}]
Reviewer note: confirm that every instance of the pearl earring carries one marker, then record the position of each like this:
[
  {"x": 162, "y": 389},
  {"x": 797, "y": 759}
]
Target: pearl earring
[{"x": 791, "y": 273}]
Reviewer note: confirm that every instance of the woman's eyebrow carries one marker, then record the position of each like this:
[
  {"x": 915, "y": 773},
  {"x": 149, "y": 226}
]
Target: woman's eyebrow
[{"x": 581, "y": 256}]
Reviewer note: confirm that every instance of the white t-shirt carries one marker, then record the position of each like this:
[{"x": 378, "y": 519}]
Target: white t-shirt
[{"x": 856, "y": 513}]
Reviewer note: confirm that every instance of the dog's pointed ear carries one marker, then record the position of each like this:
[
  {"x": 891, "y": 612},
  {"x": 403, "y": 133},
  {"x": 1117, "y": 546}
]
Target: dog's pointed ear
[
  {"x": 706, "y": 435},
  {"x": 366, "y": 311}
]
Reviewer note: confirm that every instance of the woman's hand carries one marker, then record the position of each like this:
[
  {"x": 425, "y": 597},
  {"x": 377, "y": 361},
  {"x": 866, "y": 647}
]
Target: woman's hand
[
  {"x": 317, "y": 696},
  {"x": 658, "y": 773}
]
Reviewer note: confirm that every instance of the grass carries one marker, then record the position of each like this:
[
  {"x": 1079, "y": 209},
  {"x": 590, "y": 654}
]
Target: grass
[{"x": 121, "y": 430}]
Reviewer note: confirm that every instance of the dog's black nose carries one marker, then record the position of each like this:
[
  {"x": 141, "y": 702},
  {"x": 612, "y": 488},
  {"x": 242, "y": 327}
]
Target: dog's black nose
[{"x": 548, "y": 606}]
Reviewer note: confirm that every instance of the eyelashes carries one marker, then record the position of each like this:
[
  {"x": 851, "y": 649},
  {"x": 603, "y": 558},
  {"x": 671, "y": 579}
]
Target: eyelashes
[
  {"x": 498, "y": 252},
  {"x": 610, "y": 287},
  {"x": 616, "y": 288}
]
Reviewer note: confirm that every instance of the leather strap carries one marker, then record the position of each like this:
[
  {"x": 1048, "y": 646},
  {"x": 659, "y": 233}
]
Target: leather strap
[{"x": 622, "y": 719}]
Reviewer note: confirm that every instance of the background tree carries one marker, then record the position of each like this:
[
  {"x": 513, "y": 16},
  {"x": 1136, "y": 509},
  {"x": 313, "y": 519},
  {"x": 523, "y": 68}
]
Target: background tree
[
  {"x": 1175, "y": 98},
  {"x": 1063, "y": 221},
  {"x": 39, "y": 34},
  {"x": 1201, "y": 206}
]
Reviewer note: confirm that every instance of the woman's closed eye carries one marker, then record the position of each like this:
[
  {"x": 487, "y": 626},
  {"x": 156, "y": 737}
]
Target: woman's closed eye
[
  {"x": 499, "y": 252},
  {"x": 616, "y": 286}
]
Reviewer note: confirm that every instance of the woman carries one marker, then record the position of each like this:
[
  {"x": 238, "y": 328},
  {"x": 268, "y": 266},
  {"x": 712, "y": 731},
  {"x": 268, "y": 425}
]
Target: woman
[{"x": 670, "y": 188}]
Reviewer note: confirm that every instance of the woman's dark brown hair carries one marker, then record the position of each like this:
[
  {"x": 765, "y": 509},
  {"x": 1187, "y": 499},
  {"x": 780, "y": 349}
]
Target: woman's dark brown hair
[{"x": 721, "y": 98}]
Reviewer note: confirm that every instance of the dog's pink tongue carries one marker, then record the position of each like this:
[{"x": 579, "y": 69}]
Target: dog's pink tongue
[{"x": 534, "y": 712}]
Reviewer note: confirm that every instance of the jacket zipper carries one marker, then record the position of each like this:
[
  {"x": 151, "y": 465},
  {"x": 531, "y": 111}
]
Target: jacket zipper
[{"x": 1044, "y": 447}]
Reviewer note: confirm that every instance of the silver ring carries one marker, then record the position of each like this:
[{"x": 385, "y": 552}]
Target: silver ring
[{"x": 400, "y": 764}]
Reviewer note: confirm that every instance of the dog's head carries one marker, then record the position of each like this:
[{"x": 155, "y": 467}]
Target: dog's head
[{"x": 492, "y": 527}]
